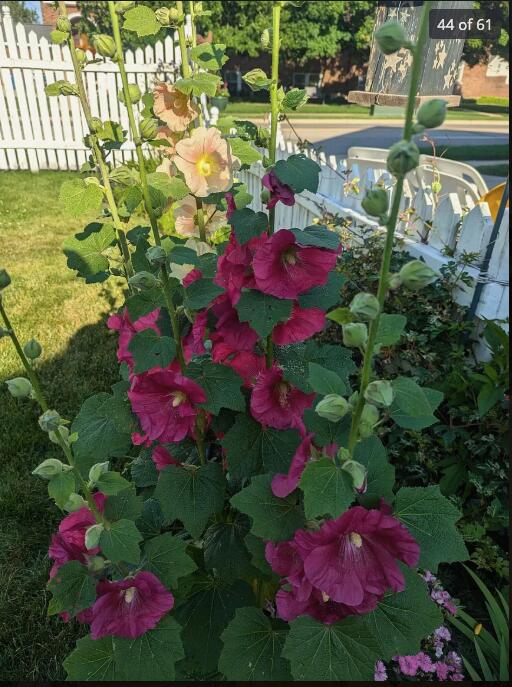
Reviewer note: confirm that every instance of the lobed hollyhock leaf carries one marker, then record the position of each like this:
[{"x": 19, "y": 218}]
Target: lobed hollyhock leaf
[
  {"x": 225, "y": 550},
  {"x": 272, "y": 518},
  {"x": 244, "y": 151},
  {"x": 79, "y": 198},
  {"x": 201, "y": 293},
  {"x": 401, "y": 621},
  {"x": 431, "y": 518},
  {"x": 84, "y": 251},
  {"x": 248, "y": 224},
  {"x": 111, "y": 483},
  {"x": 125, "y": 505},
  {"x": 294, "y": 360},
  {"x": 145, "y": 302},
  {"x": 323, "y": 297},
  {"x": 262, "y": 311},
  {"x": 142, "y": 21},
  {"x": 318, "y": 236},
  {"x": 256, "y": 548},
  {"x": 153, "y": 656},
  {"x": 252, "y": 648},
  {"x": 61, "y": 487},
  {"x": 112, "y": 134},
  {"x": 380, "y": 480},
  {"x": 167, "y": 558},
  {"x": 413, "y": 407},
  {"x": 328, "y": 490},
  {"x": 151, "y": 520},
  {"x": 250, "y": 447},
  {"x": 324, "y": 381},
  {"x": 92, "y": 660},
  {"x": 200, "y": 83},
  {"x": 257, "y": 80},
  {"x": 294, "y": 99},
  {"x": 73, "y": 589},
  {"x": 143, "y": 470},
  {"x": 343, "y": 651},
  {"x": 208, "y": 56},
  {"x": 129, "y": 201},
  {"x": 325, "y": 431},
  {"x": 204, "y": 614},
  {"x": 390, "y": 329},
  {"x": 149, "y": 350},
  {"x": 162, "y": 187},
  {"x": 191, "y": 494},
  {"x": 221, "y": 384},
  {"x": 299, "y": 173},
  {"x": 120, "y": 542}
]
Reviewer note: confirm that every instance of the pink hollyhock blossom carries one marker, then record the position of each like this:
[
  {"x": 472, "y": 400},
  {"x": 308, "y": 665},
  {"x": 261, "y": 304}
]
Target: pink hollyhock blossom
[
  {"x": 173, "y": 107},
  {"x": 231, "y": 205},
  {"x": 355, "y": 555},
  {"x": 165, "y": 403},
  {"x": 162, "y": 458},
  {"x": 278, "y": 191},
  {"x": 139, "y": 439},
  {"x": 131, "y": 607},
  {"x": 185, "y": 216},
  {"x": 84, "y": 617},
  {"x": 234, "y": 268},
  {"x": 282, "y": 485},
  {"x": 229, "y": 329},
  {"x": 246, "y": 363},
  {"x": 303, "y": 323},
  {"x": 276, "y": 403},
  {"x": 126, "y": 328},
  {"x": 206, "y": 161},
  {"x": 193, "y": 343},
  {"x": 165, "y": 134},
  {"x": 285, "y": 269},
  {"x": 192, "y": 276}
]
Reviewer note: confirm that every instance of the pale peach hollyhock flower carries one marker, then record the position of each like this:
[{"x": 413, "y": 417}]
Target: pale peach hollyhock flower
[
  {"x": 206, "y": 161},
  {"x": 173, "y": 107},
  {"x": 165, "y": 134},
  {"x": 185, "y": 215}
]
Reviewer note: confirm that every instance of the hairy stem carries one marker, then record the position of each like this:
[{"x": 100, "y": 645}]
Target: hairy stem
[{"x": 383, "y": 287}]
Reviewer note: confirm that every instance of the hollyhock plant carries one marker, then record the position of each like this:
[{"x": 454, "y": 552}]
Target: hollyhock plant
[
  {"x": 278, "y": 191},
  {"x": 284, "y": 268},
  {"x": 122, "y": 323},
  {"x": 276, "y": 403},
  {"x": 235, "y": 266},
  {"x": 165, "y": 403},
  {"x": 246, "y": 363},
  {"x": 173, "y": 107},
  {"x": 130, "y": 607},
  {"x": 228, "y": 328}
]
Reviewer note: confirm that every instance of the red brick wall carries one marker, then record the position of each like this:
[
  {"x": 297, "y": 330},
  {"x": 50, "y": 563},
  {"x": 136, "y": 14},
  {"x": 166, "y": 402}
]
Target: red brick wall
[
  {"x": 50, "y": 15},
  {"x": 476, "y": 83}
]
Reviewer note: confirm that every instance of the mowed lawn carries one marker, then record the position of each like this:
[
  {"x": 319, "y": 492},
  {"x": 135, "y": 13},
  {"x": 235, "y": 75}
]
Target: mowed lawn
[{"x": 68, "y": 317}]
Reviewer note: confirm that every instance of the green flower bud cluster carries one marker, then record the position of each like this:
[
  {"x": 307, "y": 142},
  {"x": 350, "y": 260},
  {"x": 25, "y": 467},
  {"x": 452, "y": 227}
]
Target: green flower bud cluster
[
  {"x": 104, "y": 45},
  {"x": 380, "y": 393},
  {"x": 355, "y": 334},
  {"x": 356, "y": 470},
  {"x": 169, "y": 16},
  {"x": 19, "y": 387},
  {"x": 431, "y": 114},
  {"x": 391, "y": 37},
  {"x": 375, "y": 203},
  {"x": 148, "y": 128},
  {"x": 81, "y": 56},
  {"x": 143, "y": 281},
  {"x": 414, "y": 275},
  {"x": 133, "y": 92},
  {"x": 50, "y": 421},
  {"x": 403, "y": 157},
  {"x": 50, "y": 468},
  {"x": 63, "y": 24},
  {"x": 96, "y": 471},
  {"x": 365, "y": 306},
  {"x": 61, "y": 87},
  {"x": 369, "y": 418},
  {"x": 32, "y": 349},
  {"x": 332, "y": 407}
]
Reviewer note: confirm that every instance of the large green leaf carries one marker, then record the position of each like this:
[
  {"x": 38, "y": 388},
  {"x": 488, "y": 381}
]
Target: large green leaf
[
  {"x": 250, "y": 446},
  {"x": 412, "y": 408},
  {"x": 166, "y": 556},
  {"x": 262, "y": 311},
  {"x": 61, "y": 487},
  {"x": 224, "y": 548},
  {"x": 92, "y": 661},
  {"x": 318, "y": 236},
  {"x": 328, "y": 490},
  {"x": 371, "y": 453},
  {"x": 325, "y": 431},
  {"x": 198, "y": 84},
  {"x": 73, "y": 589},
  {"x": 79, "y": 197},
  {"x": 191, "y": 494},
  {"x": 163, "y": 188},
  {"x": 252, "y": 648},
  {"x": 145, "y": 302},
  {"x": 431, "y": 518},
  {"x": 221, "y": 384},
  {"x": 84, "y": 251},
  {"x": 298, "y": 172},
  {"x": 272, "y": 518},
  {"x": 295, "y": 359},
  {"x": 244, "y": 151},
  {"x": 208, "y": 56},
  {"x": 323, "y": 297},
  {"x": 204, "y": 614},
  {"x": 149, "y": 350},
  {"x": 111, "y": 483},
  {"x": 120, "y": 542},
  {"x": 324, "y": 381},
  {"x": 340, "y": 652},
  {"x": 142, "y": 21},
  {"x": 125, "y": 505},
  {"x": 247, "y": 224},
  {"x": 201, "y": 293},
  {"x": 152, "y": 656},
  {"x": 390, "y": 329}
]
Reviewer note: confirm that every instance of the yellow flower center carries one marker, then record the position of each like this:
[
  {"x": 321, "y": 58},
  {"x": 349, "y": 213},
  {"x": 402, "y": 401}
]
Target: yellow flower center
[
  {"x": 356, "y": 539},
  {"x": 325, "y": 597},
  {"x": 205, "y": 166},
  {"x": 178, "y": 397},
  {"x": 129, "y": 594}
]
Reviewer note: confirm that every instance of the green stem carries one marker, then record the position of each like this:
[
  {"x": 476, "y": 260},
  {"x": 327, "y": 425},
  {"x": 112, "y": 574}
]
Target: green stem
[
  {"x": 164, "y": 275},
  {"x": 383, "y": 287},
  {"x": 98, "y": 154},
  {"x": 185, "y": 66},
  {"x": 200, "y": 220}
]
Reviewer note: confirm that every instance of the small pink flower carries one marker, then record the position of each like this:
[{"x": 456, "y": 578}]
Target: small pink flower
[
  {"x": 126, "y": 328},
  {"x": 409, "y": 665},
  {"x": 206, "y": 161},
  {"x": 185, "y": 215},
  {"x": 162, "y": 458},
  {"x": 282, "y": 485},
  {"x": 130, "y": 607},
  {"x": 381, "y": 674},
  {"x": 173, "y": 107},
  {"x": 285, "y": 269},
  {"x": 276, "y": 403},
  {"x": 278, "y": 191},
  {"x": 165, "y": 403},
  {"x": 302, "y": 325}
]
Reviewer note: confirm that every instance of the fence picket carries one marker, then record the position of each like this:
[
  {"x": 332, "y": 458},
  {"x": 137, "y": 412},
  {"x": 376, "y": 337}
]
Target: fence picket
[{"x": 45, "y": 125}]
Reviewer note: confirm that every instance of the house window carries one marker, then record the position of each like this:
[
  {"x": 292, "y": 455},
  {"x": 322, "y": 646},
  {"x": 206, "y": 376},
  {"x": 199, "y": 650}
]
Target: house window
[{"x": 307, "y": 79}]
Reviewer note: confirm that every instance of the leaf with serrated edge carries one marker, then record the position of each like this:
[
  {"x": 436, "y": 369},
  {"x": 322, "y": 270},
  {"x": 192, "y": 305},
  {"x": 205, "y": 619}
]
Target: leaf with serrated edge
[
  {"x": 328, "y": 490},
  {"x": 167, "y": 558},
  {"x": 371, "y": 453},
  {"x": 262, "y": 311},
  {"x": 91, "y": 661},
  {"x": 120, "y": 542}
]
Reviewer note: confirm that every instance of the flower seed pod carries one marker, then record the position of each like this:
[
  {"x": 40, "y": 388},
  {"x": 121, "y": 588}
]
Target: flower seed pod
[
  {"x": 358, "y": 473},
  {"x": 32, "y": 349},
  {"x": 380, "y": 393},
  {"x": 96, "y": 563},
  {"x": 5, "y": 279},
  {"x": 415, "y": 275},
  {"x": 265, "y": 39},
  {"x": 162, "y": 16},
  {"x": 123, "y": 6},
  {"x": 80, "y": 56},
  {"x": 156, "y": 256},
  {"x": 175, "y": 18},
  {"x": 391, "y": 37},
  {"x": 148, "y": 128},
  {"x": 19, "y": 387},
  {"x": 332, "y": 407},
  {"x": 143, "y": 281},
  {"x": 92, "y": 536},
  {"x": 355, "y": 334},
  {"x": 403, "y": 157},
  {"x": 369, "y": 418},
  {"x": 432, "y": 113},
  {"x": 105, "y": 45},
  {"x": 96, "y": 471},
  {"x": 365, "y": 306},
  {"x": 133, "y": 92},
  {"x": 375, "y": 202},
  {"x": 74, "y": 503},
  {"x": 50, "y": 421},
  {"x": 49, "y": 469},
  {"x": 63, "y": 24}
]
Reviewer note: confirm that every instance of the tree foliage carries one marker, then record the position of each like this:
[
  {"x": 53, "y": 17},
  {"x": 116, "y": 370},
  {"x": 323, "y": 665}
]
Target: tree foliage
[{"x": 19, "y": 11}]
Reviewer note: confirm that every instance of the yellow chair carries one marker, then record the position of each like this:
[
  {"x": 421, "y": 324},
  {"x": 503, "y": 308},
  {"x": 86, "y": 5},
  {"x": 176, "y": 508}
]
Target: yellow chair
[{"x": 493, "y": 199}]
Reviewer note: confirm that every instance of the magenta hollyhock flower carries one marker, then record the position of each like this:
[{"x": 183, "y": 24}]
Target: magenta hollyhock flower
[
  {"x": 162, "y": 458},
  {"x": 355, "y": 555},
  {"x": 192, "y": 276},
  {"x": 246, "y": 363},
  {"x": 278, "y": 191},
  {"x": 228, "y": 328},
  {"x": 130, "y": 607},
  {"x": 285, "y": 269},
  {"x": 303, "y": 323},
  {"x": 231, "y": 205},
  {"x": 165, "y": 403},
  {"x": 282, "y": 485},
  {"x": 234, "y": 267},
  {"x": 276, "y": 403},
  {"x": 193, "y": 343},
  {"x": 126, "y": 328}
]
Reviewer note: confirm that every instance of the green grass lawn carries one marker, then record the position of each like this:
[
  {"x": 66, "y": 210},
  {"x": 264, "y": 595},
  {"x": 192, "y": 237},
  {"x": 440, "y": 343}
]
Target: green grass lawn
[{"x": 45, "y": 301}]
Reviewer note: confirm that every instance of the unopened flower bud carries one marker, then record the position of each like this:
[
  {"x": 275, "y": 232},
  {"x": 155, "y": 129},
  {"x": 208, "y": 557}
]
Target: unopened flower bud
[
  {"x": 49, "y": 468},
  {"x": 148, "y": 128},
  {"x": 369, "y": 418},
  {"x": 432, "y": 113},
  {"x": 436, "y": 186},
  {"x": 5, "y": 279},
  {"x": 403, "y": 157},
  {"x": 380, "y": 393},
  {"x": 355, "y": 334},
  {"x": 80, "y": 56},
  {"x": 143, "y": 281},
  {"x": 62, "y": 431},
  {"x": 63, "y": 24},
  {"x": 265, "y": 39},
  {"x": 175, "y": 17},
  {"x": 96, "y": 124},
  {"x": 162, "y": 16},
  {"x": 32, "y": 349},
  {"x": 19, "y": 387},
  {"x": 156, "y": 256},
  {"x": 123, "y": 6},
  {"x": 74, "y": 503},
  {"x": 391, "y": 37},
  {"x": 415, "y": 275},
  {"x": 375, "y": 202},
  {"x": 365, "y": 306},
  {"x": 97, "y": 470},
  {"x": 96, "y": 564},
  {"x": 358, "y": 473},
  {"x": 332, "y": 407},
  {"x": 133, "y": 92},
  {"x": 104, "y": 44},
  {"x": 92, "y": 536},
  {"x": 67, "y": 88},
  {"x": 50, "y": 421},
  {"x": 394, "y": 282}
]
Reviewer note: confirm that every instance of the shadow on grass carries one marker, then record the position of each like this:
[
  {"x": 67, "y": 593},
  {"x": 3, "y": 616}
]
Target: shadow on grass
[{"x": 34, "y": 645}]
